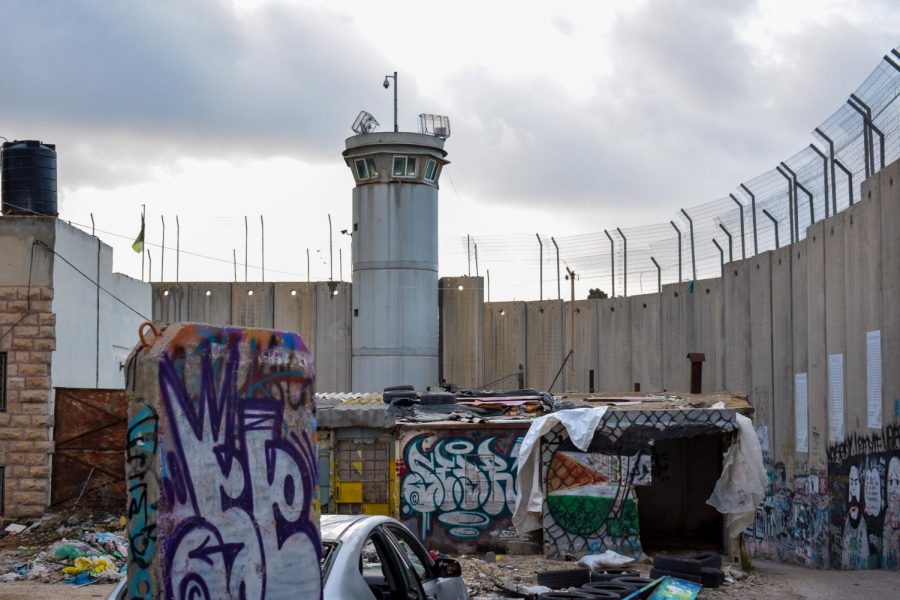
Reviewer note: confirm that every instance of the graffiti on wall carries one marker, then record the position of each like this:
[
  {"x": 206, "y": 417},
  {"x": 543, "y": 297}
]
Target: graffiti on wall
[
  {"x": 459, "y": 487},
  {"x": 864, "y": 473},
  {"x": 238, "y": 512},
  {"x": 142, "y": 488}
]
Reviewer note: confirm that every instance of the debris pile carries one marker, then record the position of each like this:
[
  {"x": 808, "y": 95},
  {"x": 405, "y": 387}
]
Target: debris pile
[{"x": 79, "y": 549}]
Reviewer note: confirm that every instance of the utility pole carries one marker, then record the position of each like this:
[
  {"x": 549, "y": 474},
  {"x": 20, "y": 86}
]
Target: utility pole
[
  {"x": 330, "y": 252},
  {"x": 177, "y": 249},
  {"x": 162, "y": 265},
  {"x": 246, "y": 238},
  {"x": 558, "y": 282},
  {"x": 307, "y": 266},
  {"x": 570, "y": 275},
  {"x": 476, "y": 259},
  {"x": 541, "y": 267},
  {"x": 262, "y": 228}
]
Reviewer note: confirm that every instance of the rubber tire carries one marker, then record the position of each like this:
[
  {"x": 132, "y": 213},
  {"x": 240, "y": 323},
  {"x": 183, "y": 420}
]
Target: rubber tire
[
  {"x": 391, "y": 395},
  {"x": 709, "y": 559},
  {"x": 712, "y": 577},
  {"x": 397, "y": 388},
  {"x": 610, "y": 586},
  {"x": 438, "y": 398},
  {"x": 592, "y": 593},
  {"x": 657, "y": 573},
  {"x": 679, "y": 564},
  {"x": 563, "y": 578},
  {"x": 562, "y": 595},
  {"x": 637, "y": 582},
  {"x": 610, "y": 574}
]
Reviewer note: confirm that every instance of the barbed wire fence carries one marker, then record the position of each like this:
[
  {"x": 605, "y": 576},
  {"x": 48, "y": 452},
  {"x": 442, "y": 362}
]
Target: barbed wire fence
[{"x": 770, "y": 210}]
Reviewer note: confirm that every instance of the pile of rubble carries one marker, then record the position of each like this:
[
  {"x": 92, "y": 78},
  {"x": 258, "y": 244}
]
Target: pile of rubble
[{"x": 79, "y": 549}]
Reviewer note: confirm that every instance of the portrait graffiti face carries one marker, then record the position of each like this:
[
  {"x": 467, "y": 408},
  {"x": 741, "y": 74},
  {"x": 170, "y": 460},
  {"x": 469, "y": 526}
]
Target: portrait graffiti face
[
  {"x": 893, "y": 481},
  {"x": 855, "y": 485}
]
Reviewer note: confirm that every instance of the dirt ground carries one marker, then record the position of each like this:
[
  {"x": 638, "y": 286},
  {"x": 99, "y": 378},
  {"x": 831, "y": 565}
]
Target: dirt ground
[{"x": 32, "y": 590}]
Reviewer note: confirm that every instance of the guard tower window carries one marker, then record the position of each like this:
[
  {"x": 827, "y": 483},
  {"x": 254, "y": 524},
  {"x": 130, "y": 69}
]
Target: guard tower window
[
  {"x": 365, "y": 168},
  {"x": 404, "y": 166},
  {"x": 430, "y": 170}
]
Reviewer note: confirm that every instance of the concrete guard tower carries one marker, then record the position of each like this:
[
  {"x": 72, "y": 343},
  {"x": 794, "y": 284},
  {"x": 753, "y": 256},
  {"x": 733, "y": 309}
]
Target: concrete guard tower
[{"x": 395, "y": 254}]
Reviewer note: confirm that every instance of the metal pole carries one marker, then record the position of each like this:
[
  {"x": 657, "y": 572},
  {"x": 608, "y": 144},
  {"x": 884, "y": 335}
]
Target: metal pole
[
  {"x": 476, "y": 259},
  {"x": 743, "y": 241},
  {"x": 570, "y": 275},
  {"x": 624, "y": 261},
  {"x": 730, "y": 245},
  {"x": 831, "y": 160},
  {"x": 262, "y": 232},
  {"x": 678, "y": 231},
  {"x": 775, "y": 223},
  {"x": 753, "y": 215},
  {"x": 162, "y": 265},
  {"x": 396, "y": 128},
  {"x": 880, "y": 143},
  {"x": 340, "y": 264},
  {"x": 658, "y": 275},
  {"x": 849, "y": 175},
  {"x": 890, "y": 61},
  {"x": 824, "y": 175},
  {"x": 93, "y": 229},
  {"x": 246, "y": 241},
  {"x": 721, "y": 257},
  {"x": 177, "y": 249},
  {"x": 541, "y": 268},
  {"x": 558, "y": 280},
  {"x": 871, "y": 127},
  {"x": 794, "y": 182},
  {"x": 693, "y": 254},
  {"x": 612, "y": 263},
  {"x": 234, "y": 255},
  {"x": 790, "y": 201},
  {"x": 149, "y": 267},
  {"x": 331, "y": 250},
  {"x": 307, "y": 266},
  {"x": 469, "y": 253},
  {"x": 488, "y": 271},
  {"x": 812, "y": 211},
  {"x": 866, "y": 140},
  {"x": 143, "y": 237}
]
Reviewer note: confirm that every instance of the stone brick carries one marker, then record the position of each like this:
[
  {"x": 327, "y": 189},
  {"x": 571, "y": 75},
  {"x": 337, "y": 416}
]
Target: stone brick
[
  {"x": 47, "y": 331},
  {"x": 31, "y": 485},
  {"x": 14, "y": 467},
  {"x": 40, "y": 306},
  {"x": 20, "y": 421},
  {"x": 28, "y": 331},
  {"x": 15, "y": 383},
  {"x": 33, "y": 370},
  {"x": 20, "y": 447},
  {"x": 4, "y": 421},
  {"x": 22, "y": 357},
  {"x": 39, "y": 420},
  {"x": 27, "y": 459},
  {"x": 9, "y": 318},
  {"x": 45, "y": 344},
  {"x": 33, "y": 408},
  {"x": 33, "y": 395},
  {"x": 39, "y": 356},
  {"x": 39, "y": 471},
  {"x": 37, "y": 383},
  {"x": 47, "y": 293},
  {"x": 20, "y": 343},
  {"x": 27, "y": 500},
  {"x": 17, "y": 306},
  {"x": 45, "y": 446},
  {"x": 9, "y": 293}
]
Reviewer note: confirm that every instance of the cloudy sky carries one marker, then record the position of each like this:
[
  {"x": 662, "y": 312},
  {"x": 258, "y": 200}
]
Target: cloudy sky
[{"x": 567, "y": 117}]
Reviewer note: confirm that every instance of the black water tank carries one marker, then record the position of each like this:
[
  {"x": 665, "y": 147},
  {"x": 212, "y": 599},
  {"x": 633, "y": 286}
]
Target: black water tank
[{"x": 28, "y": 178}]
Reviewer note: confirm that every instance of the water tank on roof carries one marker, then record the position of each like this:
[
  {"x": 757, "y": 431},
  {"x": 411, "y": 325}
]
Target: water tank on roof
[{"x": 28, "y": 178}]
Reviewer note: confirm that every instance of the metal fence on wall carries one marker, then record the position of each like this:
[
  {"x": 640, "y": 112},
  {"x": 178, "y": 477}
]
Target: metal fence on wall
[{"x": 769, "y": 210}]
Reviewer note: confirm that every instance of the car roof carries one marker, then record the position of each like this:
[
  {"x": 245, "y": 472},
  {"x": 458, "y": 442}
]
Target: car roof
[{"x": 334, "y": 527}]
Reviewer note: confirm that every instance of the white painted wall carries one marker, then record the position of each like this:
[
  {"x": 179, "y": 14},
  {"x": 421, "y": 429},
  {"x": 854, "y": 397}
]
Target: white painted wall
[{"x": 82, "y": 357}]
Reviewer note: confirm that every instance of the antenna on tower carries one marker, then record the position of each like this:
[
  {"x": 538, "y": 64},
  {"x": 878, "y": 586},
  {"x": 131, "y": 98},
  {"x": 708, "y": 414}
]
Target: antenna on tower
[{"x": 364, "y": 123}]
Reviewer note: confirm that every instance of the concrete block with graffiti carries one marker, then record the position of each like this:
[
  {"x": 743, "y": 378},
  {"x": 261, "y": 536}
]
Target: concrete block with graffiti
[
  {"x": 457, "y": 487},
  {"x": 221, "y": 468}
]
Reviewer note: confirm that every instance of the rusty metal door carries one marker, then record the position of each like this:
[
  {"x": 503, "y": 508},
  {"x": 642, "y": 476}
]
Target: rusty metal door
[
  {"x": 362, "y": 471},
  {"x": 89, "y": 439}
]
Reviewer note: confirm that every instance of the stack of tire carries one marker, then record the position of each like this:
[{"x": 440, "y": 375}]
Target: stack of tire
[
  {"x": 583, "y": 583},
  {"x": 407, "y": 394},
  {"x": 704, "y": 568}
]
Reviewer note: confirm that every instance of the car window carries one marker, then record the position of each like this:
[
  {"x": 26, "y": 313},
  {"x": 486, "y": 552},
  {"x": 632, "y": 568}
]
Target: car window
[
  {"x": 370, "y": 561},
  {"x": 413, "y": 552}
]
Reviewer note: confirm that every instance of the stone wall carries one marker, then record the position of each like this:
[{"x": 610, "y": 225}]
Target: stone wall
[{"x": 27, "y": 327}]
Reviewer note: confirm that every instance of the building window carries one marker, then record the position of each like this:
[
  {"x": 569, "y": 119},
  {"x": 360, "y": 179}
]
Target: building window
[
  {"x": 365, "y": 168},
  {"x": 3, "y": 380},
  {"x": 430, "y": 170},
  {"x": 404, "y": 166}
]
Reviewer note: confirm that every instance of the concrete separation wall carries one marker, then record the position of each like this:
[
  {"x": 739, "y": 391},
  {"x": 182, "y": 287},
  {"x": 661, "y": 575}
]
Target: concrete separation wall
[{"x": 221, "y": 466}]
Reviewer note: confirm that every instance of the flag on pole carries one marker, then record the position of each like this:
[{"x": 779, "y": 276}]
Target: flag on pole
[{"x": 138, "y": 245}]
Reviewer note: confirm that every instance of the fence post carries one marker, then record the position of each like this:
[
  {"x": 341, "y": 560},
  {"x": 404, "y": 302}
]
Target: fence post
[
  {"x": 775, "y": 223},
  {"x": 678, "y": 231},
  {"x": 693, "y": 254},
  {"x": 624, "y": 260},
  {"x": 721, "y": 257},
  {"x": 743, "y": 241},
  {"x": 753, "y": 213},
  {"x": 658, "y": 275},
  {"x": 612, "y": 261}
]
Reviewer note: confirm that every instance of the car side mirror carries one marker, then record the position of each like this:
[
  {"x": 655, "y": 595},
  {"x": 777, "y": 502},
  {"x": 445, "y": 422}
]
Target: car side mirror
[{"x": 447, "y": 567}]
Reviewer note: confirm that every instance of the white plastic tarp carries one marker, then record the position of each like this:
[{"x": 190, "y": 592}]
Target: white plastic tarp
[
  {"x": 742, "y": 485},
  {"x": 580, "y": 424}
]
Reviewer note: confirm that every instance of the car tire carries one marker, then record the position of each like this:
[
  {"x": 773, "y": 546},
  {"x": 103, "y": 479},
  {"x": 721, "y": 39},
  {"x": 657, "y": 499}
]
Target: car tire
[
  {"x": 397, "y": 388},
  {"x": 712, "y": 577},
  {"x": 610, "y": 574},
  {"x": 597, "y": 594},
  {"x": 621, "y": 589},
  {"x": 563, "y": 578},
  {"x": 562, "y": 595},
  {"x": 636, "y": 581},
  {"x": 391, "y": 395},
  {"x": 709, "y": 559},
  {"x": 657, "y": 573},
  {"x": 679, "y": 564},
  {"x": 438, "y": 398}
]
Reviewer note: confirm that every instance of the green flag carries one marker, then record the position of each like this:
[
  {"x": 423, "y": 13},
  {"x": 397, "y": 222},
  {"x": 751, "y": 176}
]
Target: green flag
[{"x": 138, "y": 245}]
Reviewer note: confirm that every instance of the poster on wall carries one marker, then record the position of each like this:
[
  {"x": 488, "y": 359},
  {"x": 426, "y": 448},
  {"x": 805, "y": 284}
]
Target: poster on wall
[
  {"x": 835, "y": 397},
  {"x": 873, "y": 378},
  {"x": 801, "y": 412}
]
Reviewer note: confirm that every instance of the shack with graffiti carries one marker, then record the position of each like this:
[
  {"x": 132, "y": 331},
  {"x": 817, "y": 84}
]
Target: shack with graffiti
[{"x": 457, "y": 485}]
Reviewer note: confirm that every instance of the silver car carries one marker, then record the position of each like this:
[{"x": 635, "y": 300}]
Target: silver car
[{"x": 367, "y": 557}]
